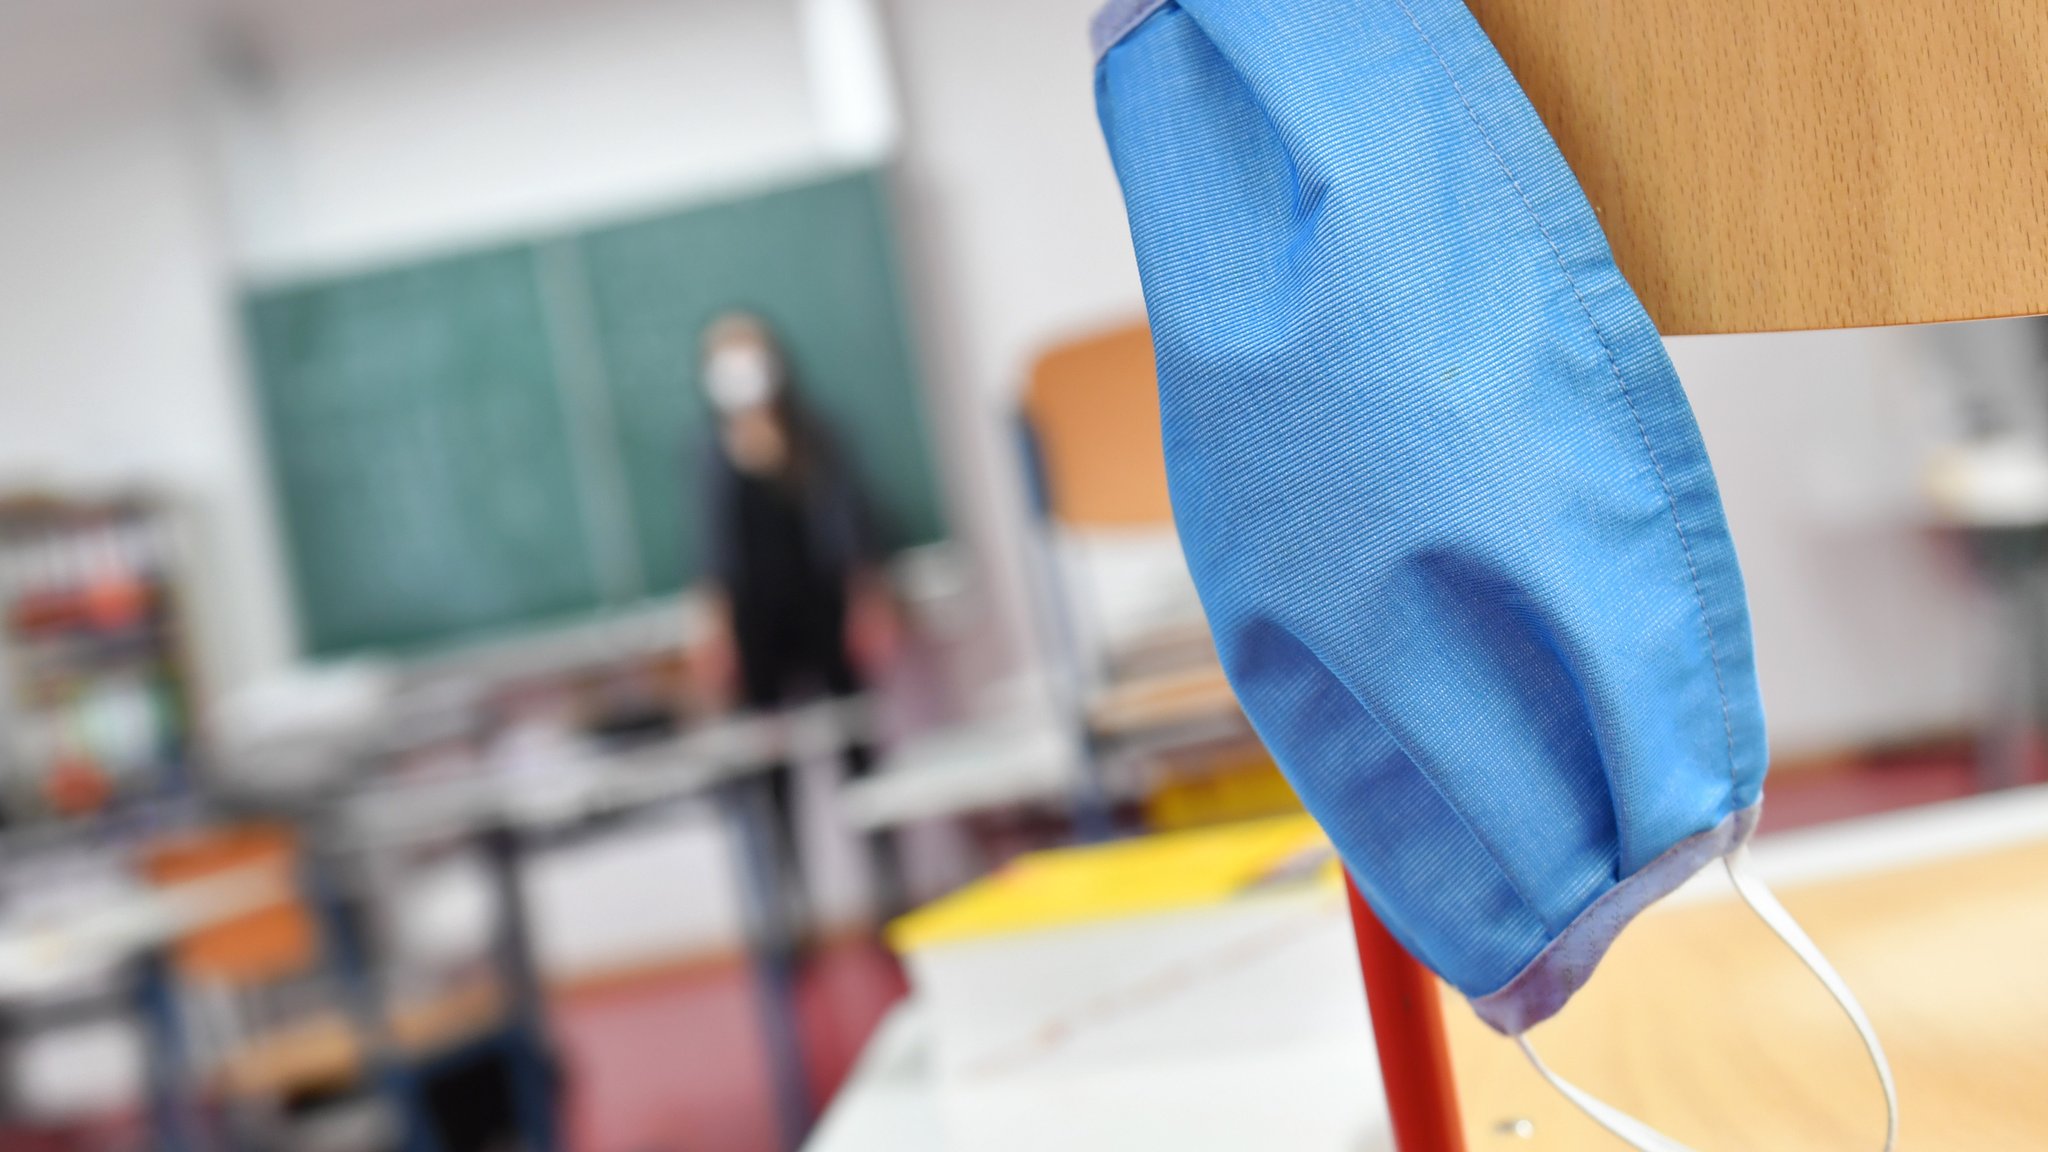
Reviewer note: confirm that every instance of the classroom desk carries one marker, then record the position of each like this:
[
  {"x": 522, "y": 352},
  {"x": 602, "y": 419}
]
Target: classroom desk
[
  {"x": 1699, "y": 1022},
  {"x": 715, "y": 761},
  {"x": 718, "y": 761}
]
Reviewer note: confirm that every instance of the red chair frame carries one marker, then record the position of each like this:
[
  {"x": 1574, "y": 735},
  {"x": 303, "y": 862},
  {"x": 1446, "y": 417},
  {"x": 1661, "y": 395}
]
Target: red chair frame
[{"x": 1408, "y": 1026}]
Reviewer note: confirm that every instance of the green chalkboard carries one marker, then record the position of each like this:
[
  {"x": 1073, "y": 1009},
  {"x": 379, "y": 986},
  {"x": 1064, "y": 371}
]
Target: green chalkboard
[
  {"x": 480, "y": 442},
  {"x": 417, "y": 443}
]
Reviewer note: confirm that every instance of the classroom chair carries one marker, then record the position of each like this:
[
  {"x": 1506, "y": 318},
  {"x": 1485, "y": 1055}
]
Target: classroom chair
[
  {"x": 1757, "y": 167},
  {"x": 283, "y": 1003}
]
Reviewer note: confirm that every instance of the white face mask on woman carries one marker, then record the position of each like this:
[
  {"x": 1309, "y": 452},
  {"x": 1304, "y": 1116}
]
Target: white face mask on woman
[{"x": 741, "y": 376}]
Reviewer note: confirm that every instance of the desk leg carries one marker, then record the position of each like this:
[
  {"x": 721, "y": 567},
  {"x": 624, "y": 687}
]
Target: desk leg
[
  {"x": 535, "y": 1095},
  {"x": 173, "y": 1119},
  {"x": 1408, "y": 1023},
  {"x": 347, "y": 955},
  {"x": 773, "y": 959},
  {"x": 1093, "y": 822},
  {"x": 2005, "y": 756}
]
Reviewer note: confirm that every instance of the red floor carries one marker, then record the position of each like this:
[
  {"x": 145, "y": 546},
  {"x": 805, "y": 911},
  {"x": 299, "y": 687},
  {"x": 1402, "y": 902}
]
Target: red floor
[
  {"x": 1796, "y": 797},
  {"x": 676, "y": 1063}
]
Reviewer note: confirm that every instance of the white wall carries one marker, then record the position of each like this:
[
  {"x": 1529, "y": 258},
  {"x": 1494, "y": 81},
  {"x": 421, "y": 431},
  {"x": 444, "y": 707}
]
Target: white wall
[
  {"x": 552, "y": 118},
  {"x": 1014, "y": 233},
  {"x": 1869, "y": 623},
  {"x": 117, "y": 357}
]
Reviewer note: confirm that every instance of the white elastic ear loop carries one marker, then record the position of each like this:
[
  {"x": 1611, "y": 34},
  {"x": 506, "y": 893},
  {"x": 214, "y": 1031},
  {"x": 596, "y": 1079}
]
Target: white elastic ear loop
[
  {"x": 1632, "y": 1131},
  {"x": 1765, "y": 904},
  {"x": 1760, "y": 899}
]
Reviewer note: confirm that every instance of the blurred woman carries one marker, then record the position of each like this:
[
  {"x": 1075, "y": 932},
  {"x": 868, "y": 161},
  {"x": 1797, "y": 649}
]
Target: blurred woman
[{"x": 799, "y": 604}]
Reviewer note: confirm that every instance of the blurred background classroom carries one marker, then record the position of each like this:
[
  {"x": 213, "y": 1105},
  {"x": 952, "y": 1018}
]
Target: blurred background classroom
[{"x": 385, "y": 760}]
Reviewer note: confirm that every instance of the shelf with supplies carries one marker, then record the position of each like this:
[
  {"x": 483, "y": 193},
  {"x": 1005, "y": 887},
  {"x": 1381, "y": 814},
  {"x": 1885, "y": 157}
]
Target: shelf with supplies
[{"x": 97, "y": 685}]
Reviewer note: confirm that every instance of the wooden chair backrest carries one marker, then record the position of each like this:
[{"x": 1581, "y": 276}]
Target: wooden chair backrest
[
  {"x": 1093, "y": 405},
  {"x": 1772, "y": 164}
]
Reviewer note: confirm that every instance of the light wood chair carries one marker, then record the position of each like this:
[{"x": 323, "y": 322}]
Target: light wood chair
[
  {"x": 1763, "y": 165},
  {"x": 1775, "y": 164},
  {"x": 275, "y": 1018},
  {"x": 1093, "y": 407}
]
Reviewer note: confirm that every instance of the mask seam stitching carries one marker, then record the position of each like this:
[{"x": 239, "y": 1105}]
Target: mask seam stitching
[
  {"x": 1736, "y": 829},
  {"x": 1663, "y": 482},
  {"x": 1116, "y": 20}
]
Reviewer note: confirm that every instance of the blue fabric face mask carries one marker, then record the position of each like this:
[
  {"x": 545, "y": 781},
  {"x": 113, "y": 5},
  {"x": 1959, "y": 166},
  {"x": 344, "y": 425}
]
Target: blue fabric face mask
[{"x": 1437, "y": 482}]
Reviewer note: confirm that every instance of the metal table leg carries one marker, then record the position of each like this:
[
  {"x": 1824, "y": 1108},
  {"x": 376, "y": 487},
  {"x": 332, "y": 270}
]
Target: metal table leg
[
  {"x": 534, "y": 1080},
  {"x": 347, "y": 955},
  {"x": 772, "y": 951},
  {"x": 173, "y": 1118}
]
